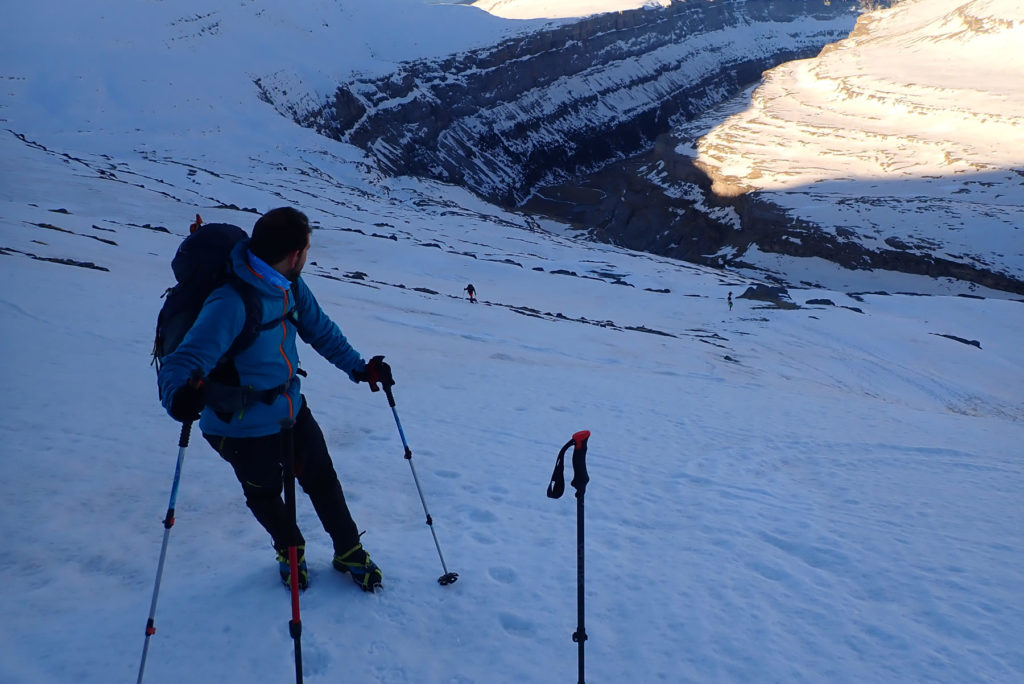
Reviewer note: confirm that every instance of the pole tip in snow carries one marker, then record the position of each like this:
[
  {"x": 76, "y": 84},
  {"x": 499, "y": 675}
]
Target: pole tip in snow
[{"x": 447, "y": 578}]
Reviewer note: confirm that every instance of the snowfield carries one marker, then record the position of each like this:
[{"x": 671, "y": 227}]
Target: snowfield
[
  {"x": 556, "y": 9},
  {"x": 826, "y": 489}
]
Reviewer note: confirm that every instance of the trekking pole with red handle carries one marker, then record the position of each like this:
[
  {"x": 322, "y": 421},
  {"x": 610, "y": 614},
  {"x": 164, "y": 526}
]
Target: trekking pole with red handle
[
  {"x": 295, "y": 624},
  {"x": 556, "y": 487}
]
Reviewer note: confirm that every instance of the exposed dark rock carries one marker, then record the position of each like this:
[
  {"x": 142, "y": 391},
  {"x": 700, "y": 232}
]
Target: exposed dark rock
[
  {"x": 156, "y": 229},
  {"x": 50, "y": 226},
  {"x": 645, "y": 329},
  {"x": 627, "y": 204},
  {"x": 971, "y": 343},
  {"x": 510, "y": 262},
  {"x": 544, "y": 106},
  {"x": 54, "y": 260},
  {"x": 766, "y": 293},
  {"x": 235, "y": 207}
]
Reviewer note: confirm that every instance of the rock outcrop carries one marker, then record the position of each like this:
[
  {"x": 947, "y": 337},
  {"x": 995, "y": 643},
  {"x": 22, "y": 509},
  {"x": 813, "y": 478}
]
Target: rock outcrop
[
  {"x": 900, "y": 148},
  {"x": 543, "y": 107}
]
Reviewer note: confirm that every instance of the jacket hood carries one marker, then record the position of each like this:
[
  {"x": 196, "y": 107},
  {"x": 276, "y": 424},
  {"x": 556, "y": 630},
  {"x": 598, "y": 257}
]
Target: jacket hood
[{"x": 242, "y": 268}]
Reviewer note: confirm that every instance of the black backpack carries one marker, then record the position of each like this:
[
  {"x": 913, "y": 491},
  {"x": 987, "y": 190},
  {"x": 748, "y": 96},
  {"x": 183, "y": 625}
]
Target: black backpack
[{"x": 201, "y": 265}]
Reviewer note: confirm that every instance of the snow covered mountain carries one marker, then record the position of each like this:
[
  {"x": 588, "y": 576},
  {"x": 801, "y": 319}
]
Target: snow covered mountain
[
  {"x": 566, "y": 99},
  {"x": 552, "y": 9},
  {"x": 810, "y": 486},
  {"x": 899, "y": 148}
]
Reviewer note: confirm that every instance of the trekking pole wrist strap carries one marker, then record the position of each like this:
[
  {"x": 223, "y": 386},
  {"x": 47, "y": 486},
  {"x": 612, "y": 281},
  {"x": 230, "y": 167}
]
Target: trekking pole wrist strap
[{"x": 556, "y": 487}]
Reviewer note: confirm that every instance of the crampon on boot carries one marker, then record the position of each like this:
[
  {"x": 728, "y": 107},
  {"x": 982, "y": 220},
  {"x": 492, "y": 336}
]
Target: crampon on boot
[
  {"x": 286, "y": 569},
  {"x": 357, "y": 563}
]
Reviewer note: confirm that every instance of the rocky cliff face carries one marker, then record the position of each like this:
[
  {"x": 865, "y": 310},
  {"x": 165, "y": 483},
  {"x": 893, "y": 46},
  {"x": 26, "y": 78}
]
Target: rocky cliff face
[
  {"x": 543, "y": 107},
  {"x": 900, "y": 148},
  {"x": 663, "y": 202}
]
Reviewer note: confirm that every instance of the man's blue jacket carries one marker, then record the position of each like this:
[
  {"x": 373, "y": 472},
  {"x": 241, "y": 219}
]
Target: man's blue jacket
[{"x": 271, "y": 361}]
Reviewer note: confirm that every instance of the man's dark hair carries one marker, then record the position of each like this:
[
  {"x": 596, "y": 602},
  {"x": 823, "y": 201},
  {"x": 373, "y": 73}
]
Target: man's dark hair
[{"x": 278, "y": 233}]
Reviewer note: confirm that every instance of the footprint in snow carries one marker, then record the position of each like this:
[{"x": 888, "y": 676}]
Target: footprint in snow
[
  {"x": 502, "y": 574},
  {"x": 482, "y": 516},
  {"x": 484, "y": 538},
  {"x": 315, "y": 659},
  {"x": 516, "y": 625}
]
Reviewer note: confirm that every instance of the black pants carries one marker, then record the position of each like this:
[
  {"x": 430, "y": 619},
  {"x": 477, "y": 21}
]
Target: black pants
[{"x": 259, "y": 466}]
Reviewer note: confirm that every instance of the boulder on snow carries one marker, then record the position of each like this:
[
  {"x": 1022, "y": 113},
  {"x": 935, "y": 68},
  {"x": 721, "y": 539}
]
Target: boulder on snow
[{"x": 775, "y": 294}]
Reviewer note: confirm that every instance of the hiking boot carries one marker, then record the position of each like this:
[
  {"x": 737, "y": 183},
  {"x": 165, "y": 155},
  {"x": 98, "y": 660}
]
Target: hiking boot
[
  {"x": 357, "y": 563},
  {"x": 286, "y": 568}
]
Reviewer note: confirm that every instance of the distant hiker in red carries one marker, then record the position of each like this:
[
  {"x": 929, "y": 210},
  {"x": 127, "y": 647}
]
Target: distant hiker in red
[{"x": 472, "y": 292}]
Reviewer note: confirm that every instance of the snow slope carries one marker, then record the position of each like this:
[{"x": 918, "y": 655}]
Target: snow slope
[
  {"x": 949, "y": 105},
  {"x": 825, "y": 493},
  {"x": 908, "y": 133},
  {"x": 555, "y": 9}
]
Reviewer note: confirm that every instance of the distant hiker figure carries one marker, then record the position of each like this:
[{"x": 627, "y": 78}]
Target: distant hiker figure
[
  {"x": 472, "y": 292},
  {"x": 730, "y": 301},
  {"x": 242, "y": 399}
]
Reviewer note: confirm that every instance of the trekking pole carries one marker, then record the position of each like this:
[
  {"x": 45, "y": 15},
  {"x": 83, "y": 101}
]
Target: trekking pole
[
  {"x": 186, "y": 429},
  {"x": 556, "y": 487},
  {"x": 295, "y": 624},
  {"x": 448, "y": 577}
]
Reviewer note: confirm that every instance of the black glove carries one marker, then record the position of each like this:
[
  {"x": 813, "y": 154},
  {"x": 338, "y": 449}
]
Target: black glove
[
  {"x": 376, "y": 371},
  {"x": 187, "y": 402}
]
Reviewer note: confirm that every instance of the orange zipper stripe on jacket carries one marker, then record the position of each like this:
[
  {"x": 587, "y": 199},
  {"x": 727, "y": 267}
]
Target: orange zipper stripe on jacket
[{"x": 284, "y": 338}]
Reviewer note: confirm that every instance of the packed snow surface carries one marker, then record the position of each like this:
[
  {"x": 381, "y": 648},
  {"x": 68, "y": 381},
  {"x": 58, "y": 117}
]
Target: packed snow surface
[
  {"x": 827, "y": 492},
  {"x": 556, "y": 9}
]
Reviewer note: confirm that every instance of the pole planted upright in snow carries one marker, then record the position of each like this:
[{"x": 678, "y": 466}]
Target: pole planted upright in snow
[
  {"x": 556, "y": 487},
  {"x": 295, "y": 624},
  {"x": 186, "y": 429}
]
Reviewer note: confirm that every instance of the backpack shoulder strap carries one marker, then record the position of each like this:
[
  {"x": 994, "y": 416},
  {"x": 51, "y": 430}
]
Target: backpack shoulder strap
[
  {"x": 253, "y": 316},
  {"x": 254, "y": 324}
]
